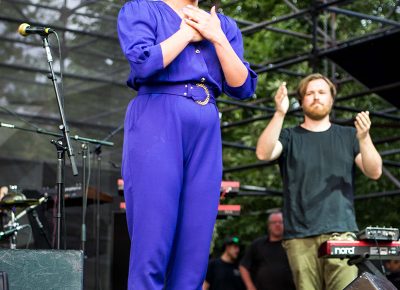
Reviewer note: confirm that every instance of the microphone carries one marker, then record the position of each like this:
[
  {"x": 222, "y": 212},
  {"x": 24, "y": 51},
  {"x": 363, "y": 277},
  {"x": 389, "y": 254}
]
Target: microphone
[
  {"x": 25, "y": 29},
  {"x": 11, "y": 231}
]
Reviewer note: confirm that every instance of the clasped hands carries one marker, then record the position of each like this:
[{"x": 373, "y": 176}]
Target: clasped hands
[{"x": 201, "y": 25}]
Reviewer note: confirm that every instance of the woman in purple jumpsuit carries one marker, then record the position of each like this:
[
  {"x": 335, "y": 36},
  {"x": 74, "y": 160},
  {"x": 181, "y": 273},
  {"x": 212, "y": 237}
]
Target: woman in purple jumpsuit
[{"x": 181, "y": 59}]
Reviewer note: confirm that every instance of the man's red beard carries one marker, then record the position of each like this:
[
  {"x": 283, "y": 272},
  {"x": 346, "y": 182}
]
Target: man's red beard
[{"x": 315, "y": 112}]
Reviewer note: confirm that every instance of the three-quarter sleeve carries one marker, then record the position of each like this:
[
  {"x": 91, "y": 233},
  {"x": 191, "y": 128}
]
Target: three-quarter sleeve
[
  {"x": 137, "y": 36},
  {"x": 247, "y": 89}
]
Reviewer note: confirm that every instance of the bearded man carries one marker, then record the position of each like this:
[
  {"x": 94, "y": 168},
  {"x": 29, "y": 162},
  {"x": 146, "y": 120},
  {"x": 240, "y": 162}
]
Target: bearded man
[{"x": 317, "y": 162}]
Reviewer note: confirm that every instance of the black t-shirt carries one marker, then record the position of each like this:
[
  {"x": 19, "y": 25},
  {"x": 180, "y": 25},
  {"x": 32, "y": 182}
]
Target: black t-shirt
[
  {"x": 268, "y": 265},
  {"x": 224, "y": 276},
  {"x": 317, "y": 170},
  {"x": 394, "y": 278}
]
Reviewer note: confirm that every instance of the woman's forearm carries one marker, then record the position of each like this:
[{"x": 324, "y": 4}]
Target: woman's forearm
[
  {"x": 235, "y": 71},
  {"x": 174, "y": 45}
]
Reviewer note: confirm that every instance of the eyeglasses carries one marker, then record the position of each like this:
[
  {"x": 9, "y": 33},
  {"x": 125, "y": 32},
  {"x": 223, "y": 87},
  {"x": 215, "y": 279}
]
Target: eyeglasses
[{"x": 275, "y": 222}]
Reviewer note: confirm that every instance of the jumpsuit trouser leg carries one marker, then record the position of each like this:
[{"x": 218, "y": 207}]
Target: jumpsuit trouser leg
[{"x": 172, "y": 168}]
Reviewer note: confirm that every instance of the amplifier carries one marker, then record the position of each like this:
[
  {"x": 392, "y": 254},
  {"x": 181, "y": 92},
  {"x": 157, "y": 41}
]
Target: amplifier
[
  {"x": 379, "y": 233},
  {"x": 42, "y": 269},
  {"x": 368, "y": 281}
]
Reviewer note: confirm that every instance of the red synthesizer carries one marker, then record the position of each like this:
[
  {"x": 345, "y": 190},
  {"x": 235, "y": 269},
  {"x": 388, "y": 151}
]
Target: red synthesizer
[{"x": 369, "y": 249}]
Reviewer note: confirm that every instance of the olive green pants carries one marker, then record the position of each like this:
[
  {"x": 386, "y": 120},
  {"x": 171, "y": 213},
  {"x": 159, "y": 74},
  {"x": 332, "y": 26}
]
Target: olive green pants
[{"x": 313, "y": 273}]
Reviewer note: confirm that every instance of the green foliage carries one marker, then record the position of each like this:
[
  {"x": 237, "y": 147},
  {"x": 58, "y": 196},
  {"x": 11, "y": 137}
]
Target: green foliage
[
  {"x": 266, "y": 46},
  {"x": 91, "y": 56}
]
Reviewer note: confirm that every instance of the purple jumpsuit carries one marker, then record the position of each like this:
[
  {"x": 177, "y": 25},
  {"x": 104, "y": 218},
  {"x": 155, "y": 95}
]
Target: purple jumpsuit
[{"x": 172, "y": 155}]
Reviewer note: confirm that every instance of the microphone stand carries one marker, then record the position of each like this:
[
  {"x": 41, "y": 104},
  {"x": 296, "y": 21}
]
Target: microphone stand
[
  {"x": 13, "y": 240},
  {"x": 62, "y": 145},
  {"x": 98, "y": 153},
  {"x": 78, "y": 138},
  {"x": 84, "y": 195},
  {"x": 97, "y": 268},
  {"x": 49, "y": 133},
  {"x": 35, "y": 216}
]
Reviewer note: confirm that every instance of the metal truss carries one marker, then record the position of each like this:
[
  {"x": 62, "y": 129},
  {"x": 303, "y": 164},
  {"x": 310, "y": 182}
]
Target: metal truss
[
  {"x": 322, "y": 45},
  {"x": 315, "y": 54}
]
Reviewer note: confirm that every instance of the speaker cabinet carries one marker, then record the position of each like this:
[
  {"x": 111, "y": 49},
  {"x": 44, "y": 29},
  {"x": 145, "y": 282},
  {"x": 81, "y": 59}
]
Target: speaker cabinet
[
  {"x": 368, "y": 281},
  {"x": 42, "y": 269}
]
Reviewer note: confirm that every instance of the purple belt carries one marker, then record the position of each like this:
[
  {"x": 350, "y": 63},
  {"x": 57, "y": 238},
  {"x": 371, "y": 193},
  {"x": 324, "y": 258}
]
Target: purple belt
[{"x": 199, "y": 92}]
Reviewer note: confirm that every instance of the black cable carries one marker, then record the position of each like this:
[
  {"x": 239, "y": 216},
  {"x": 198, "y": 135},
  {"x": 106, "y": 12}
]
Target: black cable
[
  {"x": 61, "y": 67},
  {"x": 379, "y": 255},
  {"x": 40, "y": 226},
  {"x": 22, "y": 119},
  {"x": 98, "y": 283}
]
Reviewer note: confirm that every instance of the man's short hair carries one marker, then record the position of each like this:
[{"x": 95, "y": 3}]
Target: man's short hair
[
  {"x": 301, "y": 89},
  {"x": 272, "y": 212}
]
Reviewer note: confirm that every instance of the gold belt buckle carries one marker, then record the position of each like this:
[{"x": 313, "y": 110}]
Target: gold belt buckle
[{"x": 207, "y": 99}]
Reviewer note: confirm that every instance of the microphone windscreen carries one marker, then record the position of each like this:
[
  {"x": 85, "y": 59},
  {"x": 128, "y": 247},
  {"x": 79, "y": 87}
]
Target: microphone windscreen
[{"x": 22, "y": 29}]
